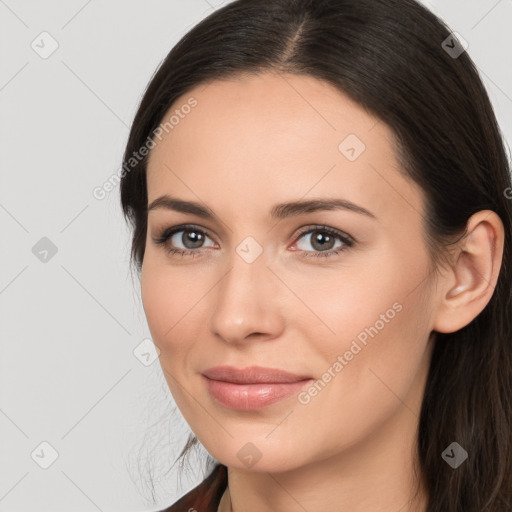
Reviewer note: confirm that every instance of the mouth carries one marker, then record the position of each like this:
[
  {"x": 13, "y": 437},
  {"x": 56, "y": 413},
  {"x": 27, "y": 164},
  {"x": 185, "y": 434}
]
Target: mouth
[
  {"x": 253, "y": 387},
  {"x": 253, "y": 375}
]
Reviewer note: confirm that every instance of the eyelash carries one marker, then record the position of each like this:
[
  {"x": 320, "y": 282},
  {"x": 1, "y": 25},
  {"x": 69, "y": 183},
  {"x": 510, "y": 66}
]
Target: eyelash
[{"x": 167, "y": 233}]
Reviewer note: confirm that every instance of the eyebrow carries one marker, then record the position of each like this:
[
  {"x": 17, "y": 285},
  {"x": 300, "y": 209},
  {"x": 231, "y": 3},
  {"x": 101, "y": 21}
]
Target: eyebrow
[{"x": 278, "y": 211}]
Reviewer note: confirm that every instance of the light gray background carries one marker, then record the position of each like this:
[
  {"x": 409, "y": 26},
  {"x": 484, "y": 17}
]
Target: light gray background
[{"x": 69, "y": 326}]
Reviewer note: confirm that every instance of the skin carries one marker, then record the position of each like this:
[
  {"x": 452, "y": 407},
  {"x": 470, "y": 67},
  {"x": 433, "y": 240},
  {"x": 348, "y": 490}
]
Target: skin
[{"x": 252, "y": 142}]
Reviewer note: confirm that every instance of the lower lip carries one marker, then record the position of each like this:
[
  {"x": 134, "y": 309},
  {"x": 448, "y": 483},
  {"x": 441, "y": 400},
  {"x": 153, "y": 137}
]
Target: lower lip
[{"x": 249, "y": 397}]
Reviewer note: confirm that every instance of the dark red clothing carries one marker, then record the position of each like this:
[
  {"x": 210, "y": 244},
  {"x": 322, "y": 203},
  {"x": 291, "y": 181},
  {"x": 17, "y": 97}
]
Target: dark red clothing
[{"x": 206, "y": 496}]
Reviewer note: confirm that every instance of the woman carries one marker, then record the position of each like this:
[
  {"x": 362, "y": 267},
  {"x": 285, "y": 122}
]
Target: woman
[{"x": 320, "y": 202}]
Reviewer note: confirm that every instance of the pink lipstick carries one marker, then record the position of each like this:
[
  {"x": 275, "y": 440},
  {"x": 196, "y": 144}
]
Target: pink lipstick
[{"x": 253, "y": 387}]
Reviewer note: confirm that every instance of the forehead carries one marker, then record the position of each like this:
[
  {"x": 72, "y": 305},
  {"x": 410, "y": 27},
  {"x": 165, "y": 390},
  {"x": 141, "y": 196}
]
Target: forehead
[{"x": 266, "y": 138}]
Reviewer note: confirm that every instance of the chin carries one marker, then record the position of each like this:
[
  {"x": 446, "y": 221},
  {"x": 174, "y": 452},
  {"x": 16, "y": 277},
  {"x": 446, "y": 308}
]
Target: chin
[{"x": 259, "y": 455}]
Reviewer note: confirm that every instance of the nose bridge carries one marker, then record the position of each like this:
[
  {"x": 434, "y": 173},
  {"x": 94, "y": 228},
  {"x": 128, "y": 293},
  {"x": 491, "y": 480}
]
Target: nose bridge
[{"x": 244, "y": 301}]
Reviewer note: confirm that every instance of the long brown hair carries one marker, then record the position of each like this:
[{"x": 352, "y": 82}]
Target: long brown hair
[{"x": 400, "y": 62}]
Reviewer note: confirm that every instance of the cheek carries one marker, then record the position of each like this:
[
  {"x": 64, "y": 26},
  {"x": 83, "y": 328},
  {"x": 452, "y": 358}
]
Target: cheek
[
  {"x": 166, "y": 301},
  {"x": 376, "y": 317},
  {"x": 341, "y": 305},
  {"x": 169, "y": 307},
  {"x": 155, "y": 300},
  {"x": 366, "y": 372}
]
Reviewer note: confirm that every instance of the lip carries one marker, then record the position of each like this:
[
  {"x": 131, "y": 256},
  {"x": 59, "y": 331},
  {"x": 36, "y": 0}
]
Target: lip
[
  {"x": 253, "y": 387},
  {"x": 252, "y": 375}
]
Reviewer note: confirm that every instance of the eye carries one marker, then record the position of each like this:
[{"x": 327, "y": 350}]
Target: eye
[
  {"x": 190, "y": 237},
  {"x": 323, "y": 242}
]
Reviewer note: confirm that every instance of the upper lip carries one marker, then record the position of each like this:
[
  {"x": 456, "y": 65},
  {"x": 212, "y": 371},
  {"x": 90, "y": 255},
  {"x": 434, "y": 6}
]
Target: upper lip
[{"x": 252, "y": 375}]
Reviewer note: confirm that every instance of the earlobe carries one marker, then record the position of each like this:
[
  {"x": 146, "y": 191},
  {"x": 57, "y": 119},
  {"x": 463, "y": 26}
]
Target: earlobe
[{"x": 469, "y": 285}]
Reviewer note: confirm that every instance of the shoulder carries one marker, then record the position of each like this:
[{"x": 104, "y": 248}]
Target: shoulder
[{"x": 206, "y": 496}]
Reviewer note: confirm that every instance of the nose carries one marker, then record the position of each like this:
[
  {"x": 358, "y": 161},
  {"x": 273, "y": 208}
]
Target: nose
[{"x": 247, "y": 303}]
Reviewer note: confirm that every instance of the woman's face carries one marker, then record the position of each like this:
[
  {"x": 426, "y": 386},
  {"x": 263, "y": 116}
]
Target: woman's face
[{"x": 257, "y": 287}]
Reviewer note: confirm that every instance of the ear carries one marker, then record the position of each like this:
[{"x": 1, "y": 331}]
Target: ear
[{"x": 469, "y": 284}]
